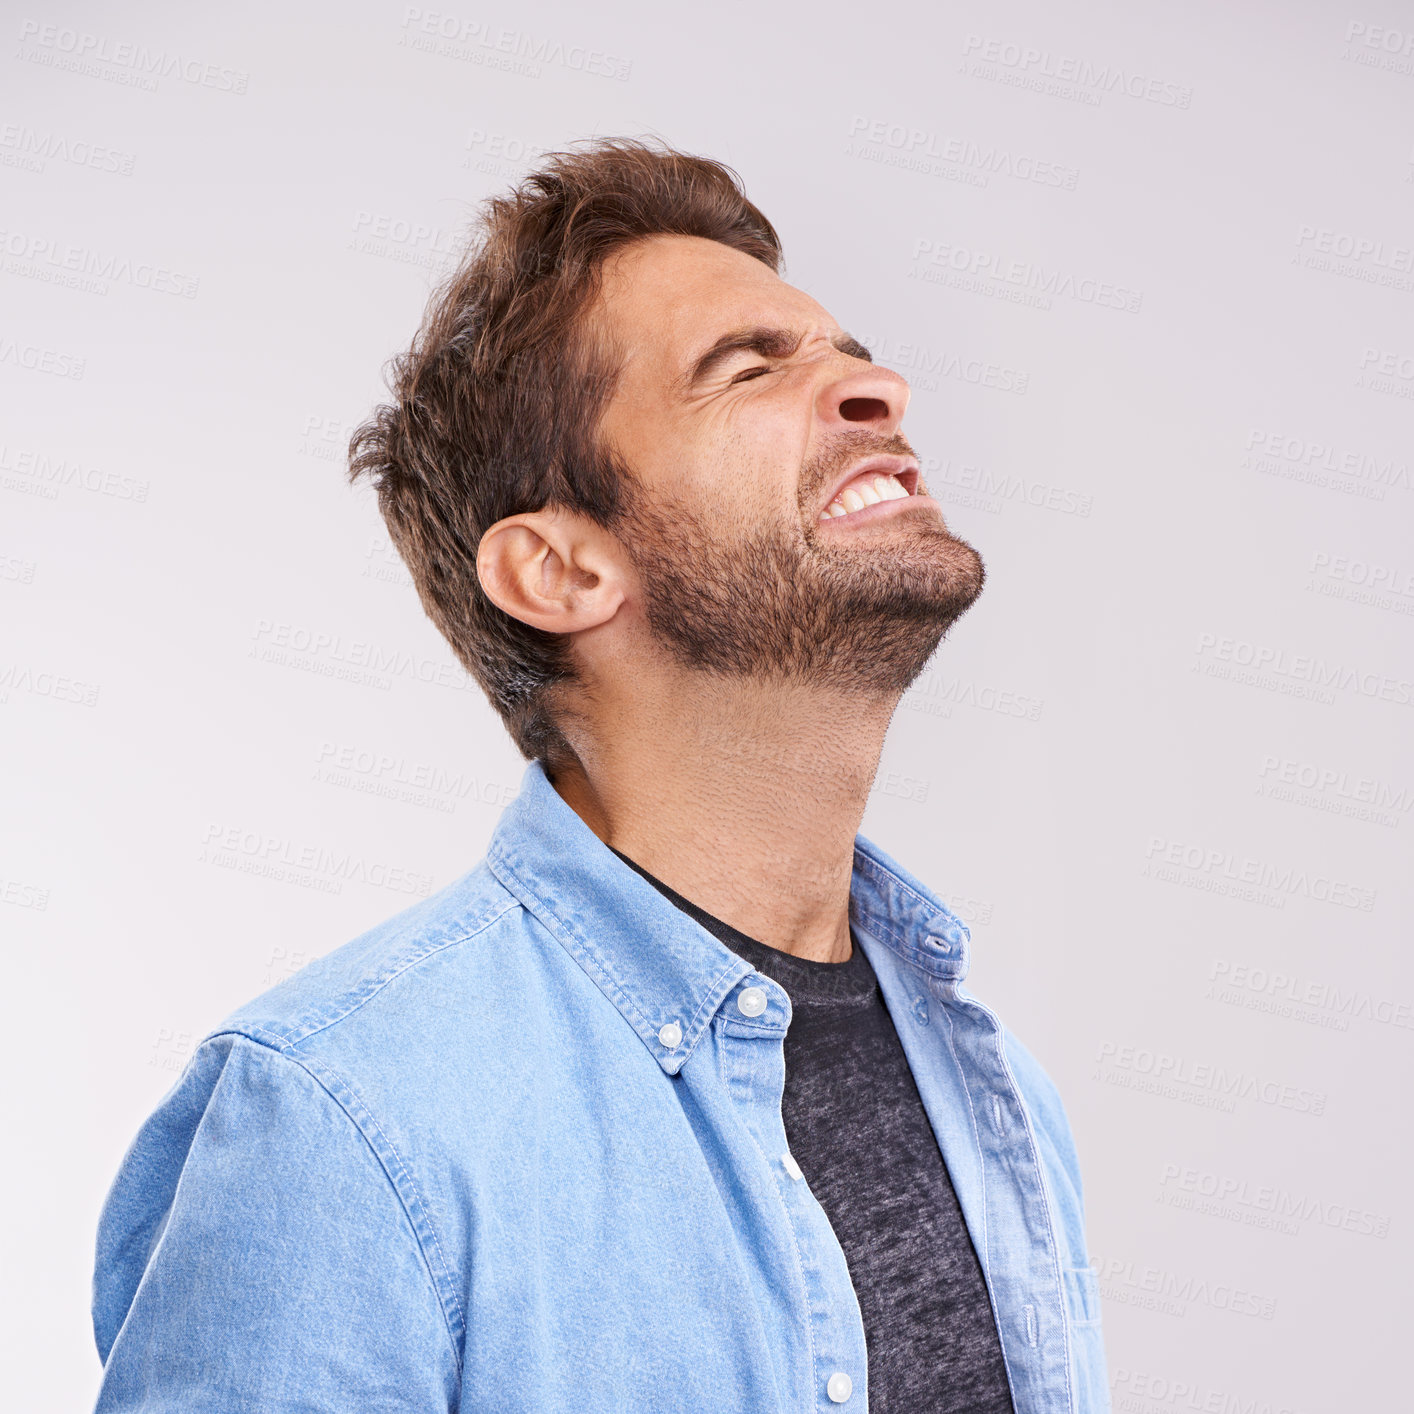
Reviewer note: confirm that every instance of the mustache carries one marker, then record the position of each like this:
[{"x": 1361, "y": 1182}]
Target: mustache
[{"x": 841, "y": 452}]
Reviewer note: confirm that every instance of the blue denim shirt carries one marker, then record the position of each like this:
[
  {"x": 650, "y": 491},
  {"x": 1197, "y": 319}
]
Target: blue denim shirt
[{"x": 519, "y": 1149}]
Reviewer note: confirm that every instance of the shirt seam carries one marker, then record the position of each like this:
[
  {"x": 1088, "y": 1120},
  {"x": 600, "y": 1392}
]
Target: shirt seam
[
  {"x": 739, "y": 1024},
  {"x": 879, "y": 922},
  {"x": 879, "y": 873},
  {"x": 976, "y": 1134},
  {"x": 593, "y": 962},
  {"x": 297, "y": 1034},
  {"x": 883, "y": 878},
  {"x": 403, "y": 1184},
  {"x": 567, "y": 935},
  {"x": 1035, "y": 1156},
  {"x": 1051, "y": 1225},
  {"x": 986, "y": 1213}
]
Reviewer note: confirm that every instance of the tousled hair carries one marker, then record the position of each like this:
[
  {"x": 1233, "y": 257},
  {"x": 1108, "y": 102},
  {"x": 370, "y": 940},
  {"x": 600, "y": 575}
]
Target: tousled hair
[{"x": 495, "y": 407}]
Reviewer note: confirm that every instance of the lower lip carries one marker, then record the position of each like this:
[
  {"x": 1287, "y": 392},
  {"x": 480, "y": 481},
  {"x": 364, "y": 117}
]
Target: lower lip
[{"x": 866, "y": 515}]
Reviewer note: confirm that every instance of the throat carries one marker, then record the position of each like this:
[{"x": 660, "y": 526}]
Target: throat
[{"x": 748, "y": 808}]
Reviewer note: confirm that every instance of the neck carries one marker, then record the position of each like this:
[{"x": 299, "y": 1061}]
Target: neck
[{"x": 743, "y": 797}]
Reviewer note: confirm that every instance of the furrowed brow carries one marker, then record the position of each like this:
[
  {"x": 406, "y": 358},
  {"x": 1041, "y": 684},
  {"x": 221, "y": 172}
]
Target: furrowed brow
[{"x": 769, "y": 343}]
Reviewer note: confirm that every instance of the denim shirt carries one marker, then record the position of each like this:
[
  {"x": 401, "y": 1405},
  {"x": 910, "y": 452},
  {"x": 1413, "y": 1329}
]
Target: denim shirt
[{"x": 519, "y": 1148}]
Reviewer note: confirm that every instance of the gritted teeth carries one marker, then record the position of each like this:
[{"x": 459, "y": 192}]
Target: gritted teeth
[{"x": 865, "y": 491}]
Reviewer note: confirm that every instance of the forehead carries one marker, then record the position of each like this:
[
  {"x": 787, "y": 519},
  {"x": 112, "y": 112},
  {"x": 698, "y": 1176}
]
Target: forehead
[{"x": 666, "y": 297}]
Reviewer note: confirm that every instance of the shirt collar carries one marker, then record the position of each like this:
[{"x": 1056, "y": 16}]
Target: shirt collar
[{"x": 660, "y": 968}]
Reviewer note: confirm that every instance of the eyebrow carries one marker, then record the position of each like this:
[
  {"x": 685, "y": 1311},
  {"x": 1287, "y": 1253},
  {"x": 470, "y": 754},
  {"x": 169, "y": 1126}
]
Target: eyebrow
[{"x": 760, "y": 339}]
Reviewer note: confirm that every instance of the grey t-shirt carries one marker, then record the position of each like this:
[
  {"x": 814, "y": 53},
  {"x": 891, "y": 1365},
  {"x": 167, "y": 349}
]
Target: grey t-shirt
[{"x": 857, "y": 1127}]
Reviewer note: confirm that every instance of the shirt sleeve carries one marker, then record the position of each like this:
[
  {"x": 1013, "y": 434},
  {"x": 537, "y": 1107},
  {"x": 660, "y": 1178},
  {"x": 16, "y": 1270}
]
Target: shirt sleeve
[{"x": 253, "y": 1255}]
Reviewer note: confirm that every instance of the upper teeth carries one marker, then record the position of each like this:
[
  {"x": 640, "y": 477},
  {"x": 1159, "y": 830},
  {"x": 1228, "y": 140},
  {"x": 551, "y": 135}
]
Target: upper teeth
[{"x": 859, "y": 494}]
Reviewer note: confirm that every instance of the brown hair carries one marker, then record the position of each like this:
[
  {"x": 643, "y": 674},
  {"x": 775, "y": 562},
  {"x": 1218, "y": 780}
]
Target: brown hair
[{"x": 496, "y": 405}]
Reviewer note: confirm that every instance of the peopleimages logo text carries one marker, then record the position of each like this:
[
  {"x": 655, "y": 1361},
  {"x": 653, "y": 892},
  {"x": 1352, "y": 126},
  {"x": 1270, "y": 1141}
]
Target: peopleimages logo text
[
  {"x": 58, "y": 262},
  {"x": 1024, "y": 274},
  {"x": 1341, "y": 1000},
  {"x": 255, "y": 852},
  {"x": 1364, "y": 790},
  {"x": 1281, "y": 879},
  {"x": 1065, "y": 68},
  {"x": 459, "y": 37},
  {"x": 1304, "y": 668},
  {"x": 1313, "y": 455},
  {"x": 988, "y": 158},
  {"x": 1230, "y": 1084},
  {"x": 1269, "y": 1198},
  {"x": 83, "y": 50}
]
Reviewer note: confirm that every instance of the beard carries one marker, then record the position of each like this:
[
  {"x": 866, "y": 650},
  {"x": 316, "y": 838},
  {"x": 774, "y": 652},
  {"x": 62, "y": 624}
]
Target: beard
[{"x": 861, "y": 616}]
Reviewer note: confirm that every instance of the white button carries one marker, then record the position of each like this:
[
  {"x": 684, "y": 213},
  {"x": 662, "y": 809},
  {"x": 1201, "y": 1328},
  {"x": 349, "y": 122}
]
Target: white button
[
  {"x": 670, "y": 1035},
  {"x": 791, "y": 1167},
  {"x": 752, "y": 1001},
  {"x": 840, "y": 1387}
]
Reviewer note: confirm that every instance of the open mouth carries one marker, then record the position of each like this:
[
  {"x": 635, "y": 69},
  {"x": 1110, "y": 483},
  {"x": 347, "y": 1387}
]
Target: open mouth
[{"x": 879, "y": 480}]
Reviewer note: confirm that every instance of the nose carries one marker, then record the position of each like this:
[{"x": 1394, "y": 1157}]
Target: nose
[{"x": 864, "y": 395}]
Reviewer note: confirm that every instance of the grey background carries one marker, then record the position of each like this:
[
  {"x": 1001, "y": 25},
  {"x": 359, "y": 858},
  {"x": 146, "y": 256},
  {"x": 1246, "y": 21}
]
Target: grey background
[{"x": 1175, "y": 421}]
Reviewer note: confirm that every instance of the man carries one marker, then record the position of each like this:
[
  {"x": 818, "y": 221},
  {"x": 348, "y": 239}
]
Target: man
[{"x": 674, "y": 1102}]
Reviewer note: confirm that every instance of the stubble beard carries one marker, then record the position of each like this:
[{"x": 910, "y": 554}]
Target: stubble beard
[{"x": 778, "y": 602}]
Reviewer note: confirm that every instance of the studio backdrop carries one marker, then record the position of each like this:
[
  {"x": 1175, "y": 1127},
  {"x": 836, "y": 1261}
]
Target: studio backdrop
[{"x": 1149, "y": 269}]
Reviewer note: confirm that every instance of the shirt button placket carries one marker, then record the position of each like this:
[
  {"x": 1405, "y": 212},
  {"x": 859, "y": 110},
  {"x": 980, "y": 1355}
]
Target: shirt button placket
[{"x": 831, "y": 1309}]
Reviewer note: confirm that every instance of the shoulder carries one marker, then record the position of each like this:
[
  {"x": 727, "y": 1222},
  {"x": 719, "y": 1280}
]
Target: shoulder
[
  {"x": 423, "y": 950},
  {"x": 436, "y": 1019},
  {"x": 330, "y": 1084}
]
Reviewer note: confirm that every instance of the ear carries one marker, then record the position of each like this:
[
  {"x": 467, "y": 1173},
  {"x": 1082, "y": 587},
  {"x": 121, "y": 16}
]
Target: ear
[{"x": 553, "y": 569}]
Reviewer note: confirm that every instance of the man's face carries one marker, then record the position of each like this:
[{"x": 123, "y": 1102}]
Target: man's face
[{"x": 777, "y": 517}]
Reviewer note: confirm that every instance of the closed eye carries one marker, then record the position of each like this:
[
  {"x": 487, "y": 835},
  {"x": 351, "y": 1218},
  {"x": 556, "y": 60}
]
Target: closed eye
[{"x": 747, "y": 374}]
